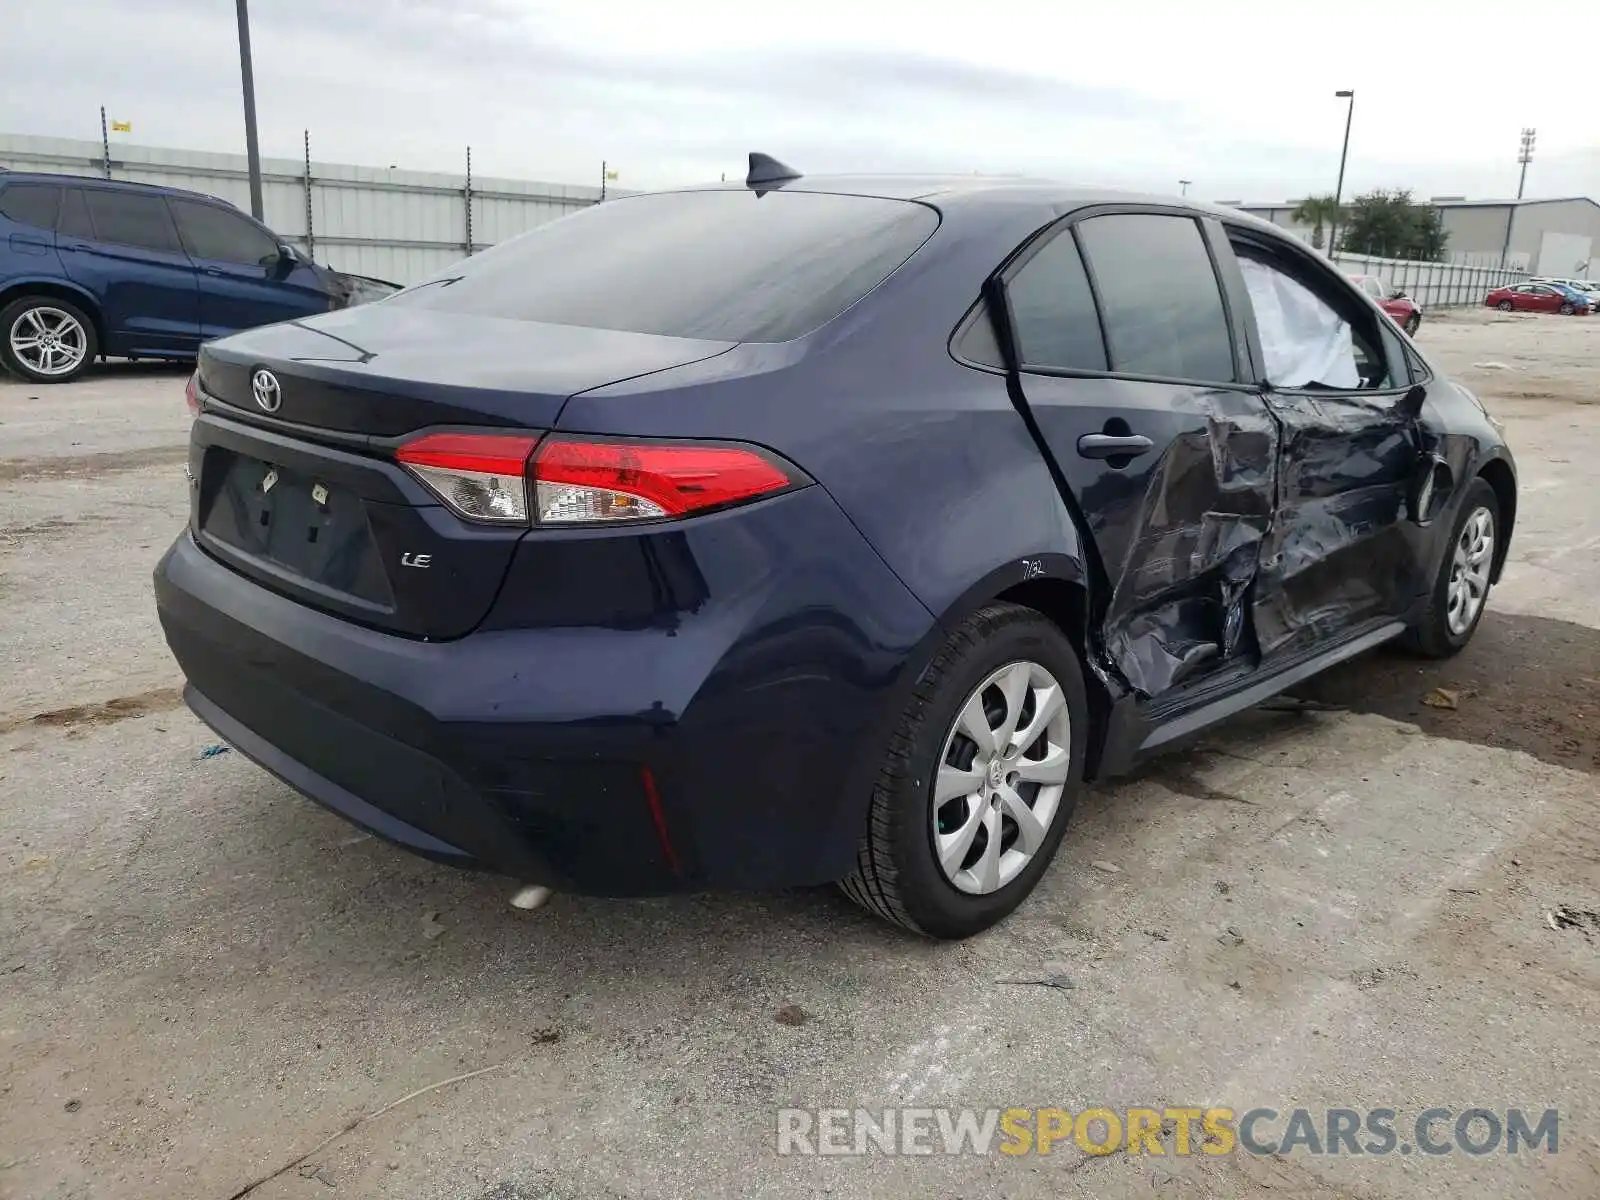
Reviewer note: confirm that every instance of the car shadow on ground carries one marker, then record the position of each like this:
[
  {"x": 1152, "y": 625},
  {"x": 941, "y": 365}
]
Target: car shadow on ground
[{"x": 1523, "y": 683}]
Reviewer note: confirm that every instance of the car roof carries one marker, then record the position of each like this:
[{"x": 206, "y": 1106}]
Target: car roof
[
  {"x": 996, "y": 192},
  {"x": 7, "y": 177}
]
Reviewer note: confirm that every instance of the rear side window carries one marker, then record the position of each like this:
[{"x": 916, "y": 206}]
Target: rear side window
[
  {"x": 32, "y": 204},
  {"x": 131, "y": 220},
  {"x": 724, "y": 265},
  {"x": 1053, "y": 310},
  {"x": 1159, "y": 297},
  {"x": 215, "y": 233}
]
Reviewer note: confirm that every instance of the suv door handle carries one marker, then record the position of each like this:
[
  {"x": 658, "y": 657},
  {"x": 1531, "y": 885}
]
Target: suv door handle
[{"x": 1108, "y": 445}]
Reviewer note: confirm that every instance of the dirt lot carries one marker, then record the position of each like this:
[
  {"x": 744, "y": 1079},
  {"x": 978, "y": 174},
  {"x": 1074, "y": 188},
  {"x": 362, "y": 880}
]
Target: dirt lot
[{"x": 206, "y": 981}]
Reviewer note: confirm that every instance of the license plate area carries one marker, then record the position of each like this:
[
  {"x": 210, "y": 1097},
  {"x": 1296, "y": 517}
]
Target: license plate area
[{"x": 288, "y": 523}]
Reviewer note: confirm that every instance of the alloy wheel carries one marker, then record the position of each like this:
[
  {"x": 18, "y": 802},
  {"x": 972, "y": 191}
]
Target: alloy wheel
[
  {"x": 1001, "y": 777},
  {"x": 1469, "y": 571},
  {"x": 49, "y": 341}
]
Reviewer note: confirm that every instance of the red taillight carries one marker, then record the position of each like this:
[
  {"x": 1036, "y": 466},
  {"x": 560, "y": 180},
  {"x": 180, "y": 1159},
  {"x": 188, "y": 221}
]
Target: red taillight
[
  {"x": 191, "y": 393},
  {"x": 577, "y": 481},
  {"x": 582, "y": 480},
  {"x": 482, "y": 476}
]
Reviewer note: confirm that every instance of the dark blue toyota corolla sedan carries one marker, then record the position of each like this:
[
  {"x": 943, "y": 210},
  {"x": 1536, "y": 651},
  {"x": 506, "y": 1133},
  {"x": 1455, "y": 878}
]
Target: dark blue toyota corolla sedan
[{"x": 812, "y": 530}]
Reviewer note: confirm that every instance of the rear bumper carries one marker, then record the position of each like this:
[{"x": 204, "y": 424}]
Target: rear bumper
[{"x": 726, "y": 746}]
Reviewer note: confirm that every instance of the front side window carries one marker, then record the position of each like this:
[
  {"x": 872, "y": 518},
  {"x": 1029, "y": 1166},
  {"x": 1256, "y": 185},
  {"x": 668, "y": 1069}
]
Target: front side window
[
  {"x": 726, "y": 265},
  {"x": 31, "y": 204},
  {"x": 215, "y": 233},
  {"x": 1053, "y": 311},
  {"x": 1159, "y": 297},
  {"x": 1308, "y": 337},
  {"x": 129, "y": 219}
]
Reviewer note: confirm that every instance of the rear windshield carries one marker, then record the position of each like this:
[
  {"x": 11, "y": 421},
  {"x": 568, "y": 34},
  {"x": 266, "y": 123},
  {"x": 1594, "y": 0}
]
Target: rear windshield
[{"x": 722, "y": 265}]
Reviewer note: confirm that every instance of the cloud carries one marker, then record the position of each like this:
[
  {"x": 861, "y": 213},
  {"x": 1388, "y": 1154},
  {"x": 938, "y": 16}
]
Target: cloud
[{"x": 1137, "y": 95}]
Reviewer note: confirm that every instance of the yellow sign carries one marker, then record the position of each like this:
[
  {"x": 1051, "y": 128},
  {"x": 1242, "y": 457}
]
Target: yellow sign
[
  {"x": 122, "y": 127},
  {"x": 611, "y": 174}
]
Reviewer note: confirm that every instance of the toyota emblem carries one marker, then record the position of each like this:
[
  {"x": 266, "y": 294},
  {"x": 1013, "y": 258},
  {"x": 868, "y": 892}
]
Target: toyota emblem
[{"x": 264, "y": 386}]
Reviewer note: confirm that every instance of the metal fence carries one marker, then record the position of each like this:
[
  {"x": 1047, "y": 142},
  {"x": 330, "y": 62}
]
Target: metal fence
[
  {"x": 1432, "y": 284},
  {"x": 389, "y": 223}
]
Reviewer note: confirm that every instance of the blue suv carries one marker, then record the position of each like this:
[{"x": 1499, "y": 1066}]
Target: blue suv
[{"x": 95, "y": 268}]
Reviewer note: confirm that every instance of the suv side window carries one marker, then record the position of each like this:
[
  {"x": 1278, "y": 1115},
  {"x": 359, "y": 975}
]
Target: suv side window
[
  {"x": 1159, "y": 297},
  {"x": 1053, "y": 310},
  {"x": 1313, "y": 334},
  {"x": 215, "y": 233},
  {"x": 32, "y": 204},
  {"x": 130, "y": 219},
  {"x": 73, "y": 221}
]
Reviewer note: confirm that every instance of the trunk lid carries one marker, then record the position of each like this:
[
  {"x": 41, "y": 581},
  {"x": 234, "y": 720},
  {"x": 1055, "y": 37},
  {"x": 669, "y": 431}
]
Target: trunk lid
[
  {"x": 306, "y": 498},
  {"x": 383, "y": 370}
]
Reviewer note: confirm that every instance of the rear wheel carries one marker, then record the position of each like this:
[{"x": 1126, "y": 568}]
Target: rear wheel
[
  {"x": 1413, "y": 323},
  {"x": 1461, "y": 590},
  {"x": 1505, "y": 306},
  {"x": 46, "y": 340},
  {"x": 980, "y": 780},
  {"x": 1567, "y": 308}
]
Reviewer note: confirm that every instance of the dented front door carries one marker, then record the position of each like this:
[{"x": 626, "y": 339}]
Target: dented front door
[{"x": 1178, "y": 526}]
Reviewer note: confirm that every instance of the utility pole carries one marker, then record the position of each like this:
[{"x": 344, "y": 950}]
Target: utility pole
[
  {"x": 1183, "y": 184},
  {"x": 1525, "y": 156},
  {"x": 247, "y": 75},
  {"x": 105, "y": 145},
  {"x": 1338, "y": 191}
]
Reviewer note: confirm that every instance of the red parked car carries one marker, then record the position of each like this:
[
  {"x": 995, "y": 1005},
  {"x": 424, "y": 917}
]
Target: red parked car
[
  {"x": 1538, "y": 297},
  {"x": 1407, "y": 313}
]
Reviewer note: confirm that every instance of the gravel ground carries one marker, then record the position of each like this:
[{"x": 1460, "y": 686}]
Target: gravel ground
[{"x": 206, "y": 981}]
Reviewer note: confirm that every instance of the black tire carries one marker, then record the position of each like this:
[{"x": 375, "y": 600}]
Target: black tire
[
  {"x": 1567, "y": 309},
  {"x": 897, "y": 874},
  {"x": 1505, "y": 306},
  {"x": 1413, "y": 323},
  {"x": 17, "y": 312},
  {"x": 1431, "y": 635}
]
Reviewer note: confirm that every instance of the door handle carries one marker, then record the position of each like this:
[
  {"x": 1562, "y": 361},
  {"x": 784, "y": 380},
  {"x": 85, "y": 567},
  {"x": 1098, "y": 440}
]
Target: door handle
[
  {"x": 1110, "y": 445},
  {"x": 76, "y": 246},
  {"x": 209, "y": 271}
]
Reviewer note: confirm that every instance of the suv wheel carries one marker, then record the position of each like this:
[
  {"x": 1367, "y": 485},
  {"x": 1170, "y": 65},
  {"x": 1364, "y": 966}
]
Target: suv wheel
[
  {"x": 46, "y": 340},
  {"x": 981, "y": 778},
  {"x": 1413, "y": 323}
]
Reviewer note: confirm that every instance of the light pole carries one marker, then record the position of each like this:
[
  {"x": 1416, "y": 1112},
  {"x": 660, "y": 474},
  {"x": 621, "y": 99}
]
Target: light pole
[
  {"x": 1338, "y": 191},
  {"x": 247, "y": 75},
  {"x": 1525, "y": 156},
  {"x": 1184, "y": 184}
]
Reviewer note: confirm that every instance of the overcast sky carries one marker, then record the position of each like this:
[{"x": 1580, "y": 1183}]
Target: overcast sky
[{"x": 1236, "y": 96}]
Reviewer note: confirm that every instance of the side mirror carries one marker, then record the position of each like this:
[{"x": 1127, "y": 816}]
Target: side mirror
[{"x": 287, "y": 253}]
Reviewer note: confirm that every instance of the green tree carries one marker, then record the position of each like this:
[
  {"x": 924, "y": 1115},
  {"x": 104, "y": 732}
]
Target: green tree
[
  {"x": 1317, "y": 211},
  {"x": 1388, "y": 224}
]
